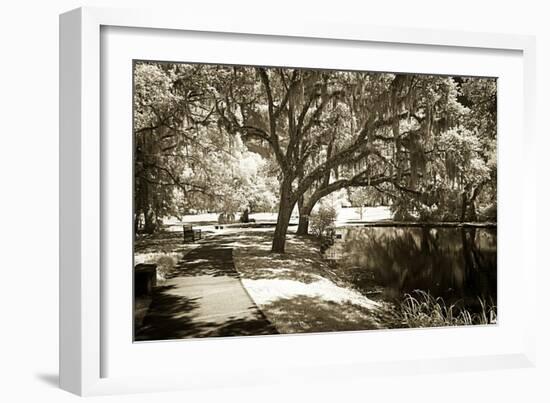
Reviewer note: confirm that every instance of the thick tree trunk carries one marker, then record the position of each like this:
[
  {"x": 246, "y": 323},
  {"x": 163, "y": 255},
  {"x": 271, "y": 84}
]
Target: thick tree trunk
[
  {"x": 463, "y": 206},
  {"x": 303, "y": 223},
  {"x": 150, "y": 224},
  {"x": 137, "y": 215},
  {"x": 285, "y": 211},
  {"x": 468, "y": 208},
  {"x": 300, "y": 207},
  {"x": 473, "y": 212}
]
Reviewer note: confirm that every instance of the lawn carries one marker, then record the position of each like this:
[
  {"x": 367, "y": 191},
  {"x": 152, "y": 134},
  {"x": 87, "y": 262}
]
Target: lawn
[{"x": 298, "y": 291}]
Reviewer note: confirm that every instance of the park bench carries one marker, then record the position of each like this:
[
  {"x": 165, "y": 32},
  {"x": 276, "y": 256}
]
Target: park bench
[
  {"x": 145, "y": 278},
  {"x": 190, "y": 234}
]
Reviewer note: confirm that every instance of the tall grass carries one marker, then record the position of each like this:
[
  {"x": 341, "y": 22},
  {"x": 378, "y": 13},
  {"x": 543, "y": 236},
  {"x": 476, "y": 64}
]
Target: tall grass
[{"x": 423, "y": 310}]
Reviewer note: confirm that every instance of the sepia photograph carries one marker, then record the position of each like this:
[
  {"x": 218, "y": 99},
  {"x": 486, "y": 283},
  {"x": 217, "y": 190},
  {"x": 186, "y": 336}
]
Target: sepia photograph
[{"x": 284, "y": 200}]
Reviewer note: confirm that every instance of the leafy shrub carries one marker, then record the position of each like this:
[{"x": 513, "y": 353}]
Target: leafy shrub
[
  {"x": 165, "y": 264},
  {"x": 489, "y": 213},
  {"x": 321, "y": 220}
]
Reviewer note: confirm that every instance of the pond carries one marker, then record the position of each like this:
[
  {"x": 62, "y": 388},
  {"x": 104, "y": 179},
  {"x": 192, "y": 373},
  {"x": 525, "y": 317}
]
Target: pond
[{"x": 458, "y": 265}]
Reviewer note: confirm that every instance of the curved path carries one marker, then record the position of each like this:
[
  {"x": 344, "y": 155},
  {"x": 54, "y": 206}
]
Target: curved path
[{"x": 204, "y": 297}]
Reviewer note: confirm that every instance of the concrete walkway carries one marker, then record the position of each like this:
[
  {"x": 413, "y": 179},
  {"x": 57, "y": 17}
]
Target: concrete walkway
[{"x": 204, "y": 297}]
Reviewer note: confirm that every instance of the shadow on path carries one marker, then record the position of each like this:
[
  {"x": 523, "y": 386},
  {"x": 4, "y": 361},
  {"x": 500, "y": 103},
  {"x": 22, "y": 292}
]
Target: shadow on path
[{"x": 204, "y": 297}]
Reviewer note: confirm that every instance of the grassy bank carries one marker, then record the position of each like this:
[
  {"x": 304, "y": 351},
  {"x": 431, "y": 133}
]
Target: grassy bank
[
  {"x": 299, "y": 291},
  {"x": 420, "y": 309}
]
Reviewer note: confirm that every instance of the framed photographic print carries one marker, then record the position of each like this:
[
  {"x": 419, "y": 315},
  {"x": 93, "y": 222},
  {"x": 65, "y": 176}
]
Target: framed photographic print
[{"x": 237, "y": 197}]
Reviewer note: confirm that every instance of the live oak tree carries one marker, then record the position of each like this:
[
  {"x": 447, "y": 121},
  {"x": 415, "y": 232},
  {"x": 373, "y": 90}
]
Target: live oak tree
[
  {"x": 480, "y": 97},
  {"x": 413, "y": 110},
  {"x": 458, "y": 164},
  {"x": 440, "y": 153},
  {"x": 316, "y": 124},
  {"x": 184, "y": 161}
]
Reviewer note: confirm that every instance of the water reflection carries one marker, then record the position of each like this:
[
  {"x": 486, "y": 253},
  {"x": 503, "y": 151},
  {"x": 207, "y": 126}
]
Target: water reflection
[{"x": 456, "y": 264}]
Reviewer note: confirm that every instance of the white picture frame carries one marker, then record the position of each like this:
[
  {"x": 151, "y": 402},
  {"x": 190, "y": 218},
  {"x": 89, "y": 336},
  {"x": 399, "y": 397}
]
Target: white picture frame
[{"x": 83, "y": 298}]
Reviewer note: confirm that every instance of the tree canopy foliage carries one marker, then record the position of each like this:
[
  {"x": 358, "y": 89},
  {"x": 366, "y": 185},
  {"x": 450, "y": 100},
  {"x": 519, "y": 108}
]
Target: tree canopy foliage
[
  {"x": 226, "y": 138},
  {"x": 184, "y": 161}
]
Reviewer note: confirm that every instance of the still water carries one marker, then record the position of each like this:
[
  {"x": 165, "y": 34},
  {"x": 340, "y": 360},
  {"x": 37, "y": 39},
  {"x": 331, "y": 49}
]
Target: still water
[{"x": 458, "y": 265}]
